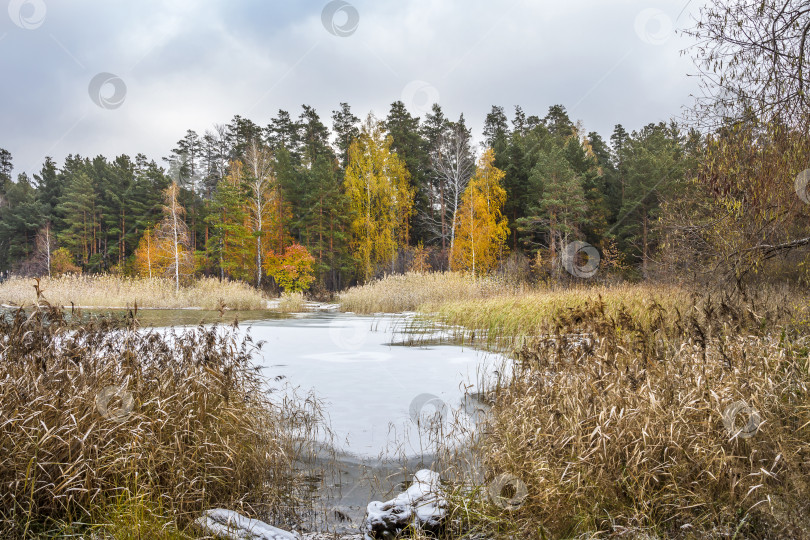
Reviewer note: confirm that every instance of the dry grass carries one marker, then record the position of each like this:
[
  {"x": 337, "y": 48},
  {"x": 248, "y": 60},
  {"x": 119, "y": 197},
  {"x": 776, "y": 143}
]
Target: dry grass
[
  {"x": 109, "y": 291},
  {"x": 292, "y": 303},
  {"x": 614, "y": 422},
  {"x": 613, "y": 415},
  {"x": 514, "y": 316},
  {"x": 409, "y": 292},
  {"x": 108, "y": 429}
]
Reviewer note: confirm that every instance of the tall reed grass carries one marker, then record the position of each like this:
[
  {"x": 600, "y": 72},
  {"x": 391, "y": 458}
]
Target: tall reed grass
[
  {"x": 106, "y": 428},
  {"x": 108, "y": 291},
  {"x": 510, "y": 317},
  {"x": 409, "y": 292},
  {"x": 648, "y": 421}
]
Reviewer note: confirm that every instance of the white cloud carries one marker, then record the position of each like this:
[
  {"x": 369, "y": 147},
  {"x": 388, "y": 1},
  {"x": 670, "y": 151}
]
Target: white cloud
[{"x": 191, "y": 64}]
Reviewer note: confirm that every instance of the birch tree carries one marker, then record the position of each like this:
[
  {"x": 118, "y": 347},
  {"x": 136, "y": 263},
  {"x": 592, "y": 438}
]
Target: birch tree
[
  {"x": 452, "y": 165},
  {"x": 381, "y": 199},
  {"x": 482, "y": 228},
  {"x": 45, "y": 245},
  {"x": 174, "y": 238},
  {"x": 261, "y": 184}
]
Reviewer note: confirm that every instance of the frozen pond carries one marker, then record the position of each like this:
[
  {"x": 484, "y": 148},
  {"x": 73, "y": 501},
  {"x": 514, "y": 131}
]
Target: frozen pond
[
  {"x": 376, "y": 392},
  {"x": 372, "y": 388}
]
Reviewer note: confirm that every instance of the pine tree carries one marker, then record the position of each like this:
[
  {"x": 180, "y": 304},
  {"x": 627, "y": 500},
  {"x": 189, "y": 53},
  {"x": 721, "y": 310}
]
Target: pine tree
[
  {"x": 344, "y": 124},
  {"x": 21, "y": 217},
  {"x": 407, "y": 142},
  {"x": 78, "y": 208},
  {"x": 231, "y": 243},
  {"x": 561, "y": 203}
]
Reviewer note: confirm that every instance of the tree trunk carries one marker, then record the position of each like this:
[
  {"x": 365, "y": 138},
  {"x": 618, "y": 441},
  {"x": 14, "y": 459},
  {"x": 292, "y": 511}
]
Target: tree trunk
[
  {"x": 176, "y": 246},
  {"x": 644, "y": 241}
]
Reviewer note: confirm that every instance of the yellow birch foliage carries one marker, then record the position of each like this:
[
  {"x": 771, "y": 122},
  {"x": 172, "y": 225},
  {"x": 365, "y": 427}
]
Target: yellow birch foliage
[
  {"x": 381, "y": 199},
  {"x": 481, "y": 227},
  {"x": 148, "y": 261}
]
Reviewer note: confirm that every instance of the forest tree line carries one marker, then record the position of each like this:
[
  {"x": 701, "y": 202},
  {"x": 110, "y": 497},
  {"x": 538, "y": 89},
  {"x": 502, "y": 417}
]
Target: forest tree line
[{"x": 352, "y": 202}]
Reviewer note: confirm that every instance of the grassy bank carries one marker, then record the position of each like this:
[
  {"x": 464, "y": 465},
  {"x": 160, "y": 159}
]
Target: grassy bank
[
  {"x": 113, "y": 291},
  {"x": 634, "y": 411},
  {"x": 112, "y": 432},
  {"x": 690, "y": 423},
  {"x": 410, "y": 292}
]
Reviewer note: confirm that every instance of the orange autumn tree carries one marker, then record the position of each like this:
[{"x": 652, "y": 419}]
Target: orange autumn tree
[
  {"x": 292, "y": 270},
  {"x": 481, "y": 227},
  {"x": 165, "y": 250},
  {"x": 148, "y": 262}
]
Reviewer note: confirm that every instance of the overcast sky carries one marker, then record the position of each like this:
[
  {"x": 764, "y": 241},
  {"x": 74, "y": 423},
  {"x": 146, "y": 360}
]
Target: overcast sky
[{"x": 112, "y": 77}]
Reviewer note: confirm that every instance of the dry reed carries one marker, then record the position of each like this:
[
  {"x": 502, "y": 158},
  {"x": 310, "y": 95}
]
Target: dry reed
[
  {"x": 105, "y": 427},
  {"x": 409, "y": 292},
  {"x": 292, "y": 303},
  {"x": 620, "y": 422},
  {"x": 108, "y": 291}
]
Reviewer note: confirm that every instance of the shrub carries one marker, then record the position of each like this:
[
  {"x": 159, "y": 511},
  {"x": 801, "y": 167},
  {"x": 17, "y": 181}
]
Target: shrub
[
  {"x": 62, "y": 263},
  {"x": 293, "y": 270}
]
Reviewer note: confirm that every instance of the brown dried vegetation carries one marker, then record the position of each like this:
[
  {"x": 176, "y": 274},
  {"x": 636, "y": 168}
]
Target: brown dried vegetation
[{"x": 134, "y": 431}]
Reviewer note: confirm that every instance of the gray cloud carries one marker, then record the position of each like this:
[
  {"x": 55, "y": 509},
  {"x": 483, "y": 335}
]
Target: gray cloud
[{"x": 189, "y": 64}]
